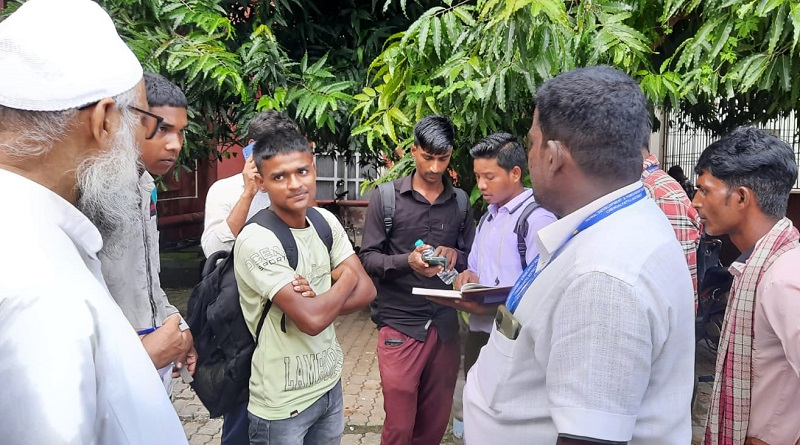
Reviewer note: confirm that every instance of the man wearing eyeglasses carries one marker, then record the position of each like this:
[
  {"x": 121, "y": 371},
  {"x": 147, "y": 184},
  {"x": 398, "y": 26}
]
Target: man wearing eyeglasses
[
  {"x": 132, "y": 274},
  {"x": 73, "y": 369}
]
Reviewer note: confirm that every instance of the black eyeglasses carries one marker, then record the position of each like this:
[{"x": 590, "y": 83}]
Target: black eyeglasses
[{"x": 151, "y": 131}]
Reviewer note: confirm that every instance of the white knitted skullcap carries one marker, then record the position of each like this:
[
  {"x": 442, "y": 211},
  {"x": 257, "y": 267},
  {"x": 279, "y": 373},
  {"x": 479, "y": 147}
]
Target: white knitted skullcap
[{"x": 62, "y": 54}]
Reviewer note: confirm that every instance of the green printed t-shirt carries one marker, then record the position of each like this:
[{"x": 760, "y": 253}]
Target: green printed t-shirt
[{"x": 290, "y": 370}]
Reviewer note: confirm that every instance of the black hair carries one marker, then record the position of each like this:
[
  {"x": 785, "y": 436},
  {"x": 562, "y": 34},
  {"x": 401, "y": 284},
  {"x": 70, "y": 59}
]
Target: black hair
[
  {"x": 279, "y": 141},
  {"x": 268, "y": 121},
  {"x": 504, "y": 147},
  {"x": 677, "y": 173},
  {"x": 434, "y": 134},
  {"x": 600, "y": 114},
  {"x": 749, "y": 157},
  {"x": 163, "y": 93}
]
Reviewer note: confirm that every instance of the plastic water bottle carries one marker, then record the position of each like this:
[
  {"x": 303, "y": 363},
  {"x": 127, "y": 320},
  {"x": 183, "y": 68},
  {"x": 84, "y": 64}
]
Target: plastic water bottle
[{"x": 446, "y": 276}]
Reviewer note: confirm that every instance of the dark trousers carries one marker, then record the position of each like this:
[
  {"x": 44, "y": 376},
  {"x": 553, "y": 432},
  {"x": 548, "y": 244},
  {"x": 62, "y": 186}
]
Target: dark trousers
[
  {"x": 418, "y": 380},
  {"x": 234, "y": 426},
  {"x": 472, "y": 348}
]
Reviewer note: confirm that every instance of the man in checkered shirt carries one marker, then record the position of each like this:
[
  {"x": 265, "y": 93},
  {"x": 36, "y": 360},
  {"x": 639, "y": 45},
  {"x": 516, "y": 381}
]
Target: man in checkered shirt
[{"x": 673, "y": 201}]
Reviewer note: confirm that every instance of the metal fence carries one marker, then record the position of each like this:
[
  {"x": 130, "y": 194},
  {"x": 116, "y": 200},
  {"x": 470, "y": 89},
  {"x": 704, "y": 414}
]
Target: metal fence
[
  {"x": 334, "y": 175},
  {"x": 683, "y": 142}
]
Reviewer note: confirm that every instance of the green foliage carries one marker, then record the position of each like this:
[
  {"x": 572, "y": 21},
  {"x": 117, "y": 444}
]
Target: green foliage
[
  {"x": 235, "y": 57},
  {"x": 738, "y": 64},
  {"x": 357, "y": 74},
  {"x": 723, "y": 62},
  {"x": 191, "y": 42}
]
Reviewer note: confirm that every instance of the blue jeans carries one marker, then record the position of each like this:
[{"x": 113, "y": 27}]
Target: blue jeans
[
  {"x": 322, "y": 423},
  {"x": 234, "y": 426}
]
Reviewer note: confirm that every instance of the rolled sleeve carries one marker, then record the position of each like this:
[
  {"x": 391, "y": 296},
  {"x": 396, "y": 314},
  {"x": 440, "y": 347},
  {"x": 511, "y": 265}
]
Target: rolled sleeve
[
  {"x": 217, "y": 234},
  {"x": 586, "y": 423},
  {"x": 600, "y": 360},
  {"x": 216, "y": 237},
  {"x": 169, "y": 310}
]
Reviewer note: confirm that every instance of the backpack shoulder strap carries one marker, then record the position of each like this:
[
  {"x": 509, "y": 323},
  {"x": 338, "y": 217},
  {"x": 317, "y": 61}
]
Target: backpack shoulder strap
[
  {"x": 321, "y": 226},
  {"x": 268, "y": 219},
  {"x": 463, "y": 201},
  {"x": 486, "y": 217},
  {"x": 386, "y": 190},
  {"x": 521, "y": 229},
  {"x": 264, "y": 317}
]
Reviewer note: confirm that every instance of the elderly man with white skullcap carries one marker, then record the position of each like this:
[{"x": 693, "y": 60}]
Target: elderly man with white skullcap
[{"x": 72, "y": 111}]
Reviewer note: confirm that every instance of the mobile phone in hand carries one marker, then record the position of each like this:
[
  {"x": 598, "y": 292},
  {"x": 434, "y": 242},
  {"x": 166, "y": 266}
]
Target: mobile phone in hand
[{"x": 248, "y": 150}]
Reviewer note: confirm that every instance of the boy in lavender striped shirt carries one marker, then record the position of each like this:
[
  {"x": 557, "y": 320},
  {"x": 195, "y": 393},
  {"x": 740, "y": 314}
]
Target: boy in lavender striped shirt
[{"x": 499, "y": 163}]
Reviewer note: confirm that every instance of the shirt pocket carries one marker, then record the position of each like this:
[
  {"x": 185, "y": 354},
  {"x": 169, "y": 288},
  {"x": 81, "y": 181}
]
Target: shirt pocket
[
  {"x": 406, "y": 233},
  {"x": 445, "y": 227},
  {"x": 498, "y": 356}
]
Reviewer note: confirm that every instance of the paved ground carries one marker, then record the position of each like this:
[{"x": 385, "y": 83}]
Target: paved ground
[{"x": 363, "y": 402}]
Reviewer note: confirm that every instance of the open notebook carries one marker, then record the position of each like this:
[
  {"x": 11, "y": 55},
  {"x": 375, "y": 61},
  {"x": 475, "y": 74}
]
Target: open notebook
[{"x": 480, "y": 293}]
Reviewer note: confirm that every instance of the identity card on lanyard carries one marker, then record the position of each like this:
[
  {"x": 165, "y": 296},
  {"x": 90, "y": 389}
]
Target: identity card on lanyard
[{"x": 505, "y": 321}]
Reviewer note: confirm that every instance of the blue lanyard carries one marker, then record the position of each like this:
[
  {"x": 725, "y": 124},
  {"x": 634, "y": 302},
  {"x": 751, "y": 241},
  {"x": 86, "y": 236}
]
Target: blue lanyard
[
  {"x": 651, "y": 169},
  {"x": 530, "y": 273},
  {"x": 147, "y": 331}
]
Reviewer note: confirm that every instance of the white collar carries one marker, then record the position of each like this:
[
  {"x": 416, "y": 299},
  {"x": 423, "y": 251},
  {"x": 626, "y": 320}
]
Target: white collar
[
  {"x": 553, "y": 236},
  {"x": 45, "y": 205}
]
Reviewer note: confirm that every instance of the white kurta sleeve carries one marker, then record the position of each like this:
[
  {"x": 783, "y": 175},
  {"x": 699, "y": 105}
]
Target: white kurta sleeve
[{"x": 217, "y": 234}]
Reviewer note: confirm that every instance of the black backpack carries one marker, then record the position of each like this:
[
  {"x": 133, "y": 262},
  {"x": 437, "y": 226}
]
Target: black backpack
[
  {"x": 520, "y": 229},
  {"x": 223, "y": 342}
]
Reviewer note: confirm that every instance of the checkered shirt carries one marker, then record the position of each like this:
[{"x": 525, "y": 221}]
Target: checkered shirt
[{"x": 671, "y": 198}]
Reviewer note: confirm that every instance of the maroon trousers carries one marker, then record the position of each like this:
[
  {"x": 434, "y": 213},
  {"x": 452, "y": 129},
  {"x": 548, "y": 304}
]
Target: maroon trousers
[{"x": 418, "y": 380}]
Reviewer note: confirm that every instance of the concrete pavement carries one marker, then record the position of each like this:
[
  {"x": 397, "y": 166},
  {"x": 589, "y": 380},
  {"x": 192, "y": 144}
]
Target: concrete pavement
[{"x": 363, "y": 402}]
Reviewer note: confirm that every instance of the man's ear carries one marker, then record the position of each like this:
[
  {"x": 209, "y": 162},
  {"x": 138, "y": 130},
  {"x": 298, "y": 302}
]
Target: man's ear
[
  {"x": 259, "y": 182},
  {"x": 515, "y": 173},
  {"x": 104, "y": 120},
  {"x": 555, "y": 155},
  {"x": 744, "y": 197}
]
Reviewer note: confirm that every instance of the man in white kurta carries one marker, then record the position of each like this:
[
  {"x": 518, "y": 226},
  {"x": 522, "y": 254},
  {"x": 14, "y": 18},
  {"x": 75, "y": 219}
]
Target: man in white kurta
[{"x": 73, "y": 370}]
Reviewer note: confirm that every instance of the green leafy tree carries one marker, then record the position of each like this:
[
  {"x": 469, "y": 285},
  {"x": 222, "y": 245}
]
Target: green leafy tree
[
  {"x": 722, "y": 62},
  {"x": 234, "y": 58},
  {"x": 357, "y": 74}
]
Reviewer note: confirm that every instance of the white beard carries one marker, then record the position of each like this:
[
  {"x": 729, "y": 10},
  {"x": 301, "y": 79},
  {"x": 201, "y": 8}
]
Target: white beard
[{"x": 108, "y": 188}]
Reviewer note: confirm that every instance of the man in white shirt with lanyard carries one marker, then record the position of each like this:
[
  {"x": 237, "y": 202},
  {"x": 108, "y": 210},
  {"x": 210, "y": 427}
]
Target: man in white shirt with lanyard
[{"x": 594, "y": 345}]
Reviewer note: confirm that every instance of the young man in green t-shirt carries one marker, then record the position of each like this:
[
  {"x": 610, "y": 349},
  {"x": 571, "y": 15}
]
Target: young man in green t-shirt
[{"x": 295, "y": 388}]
